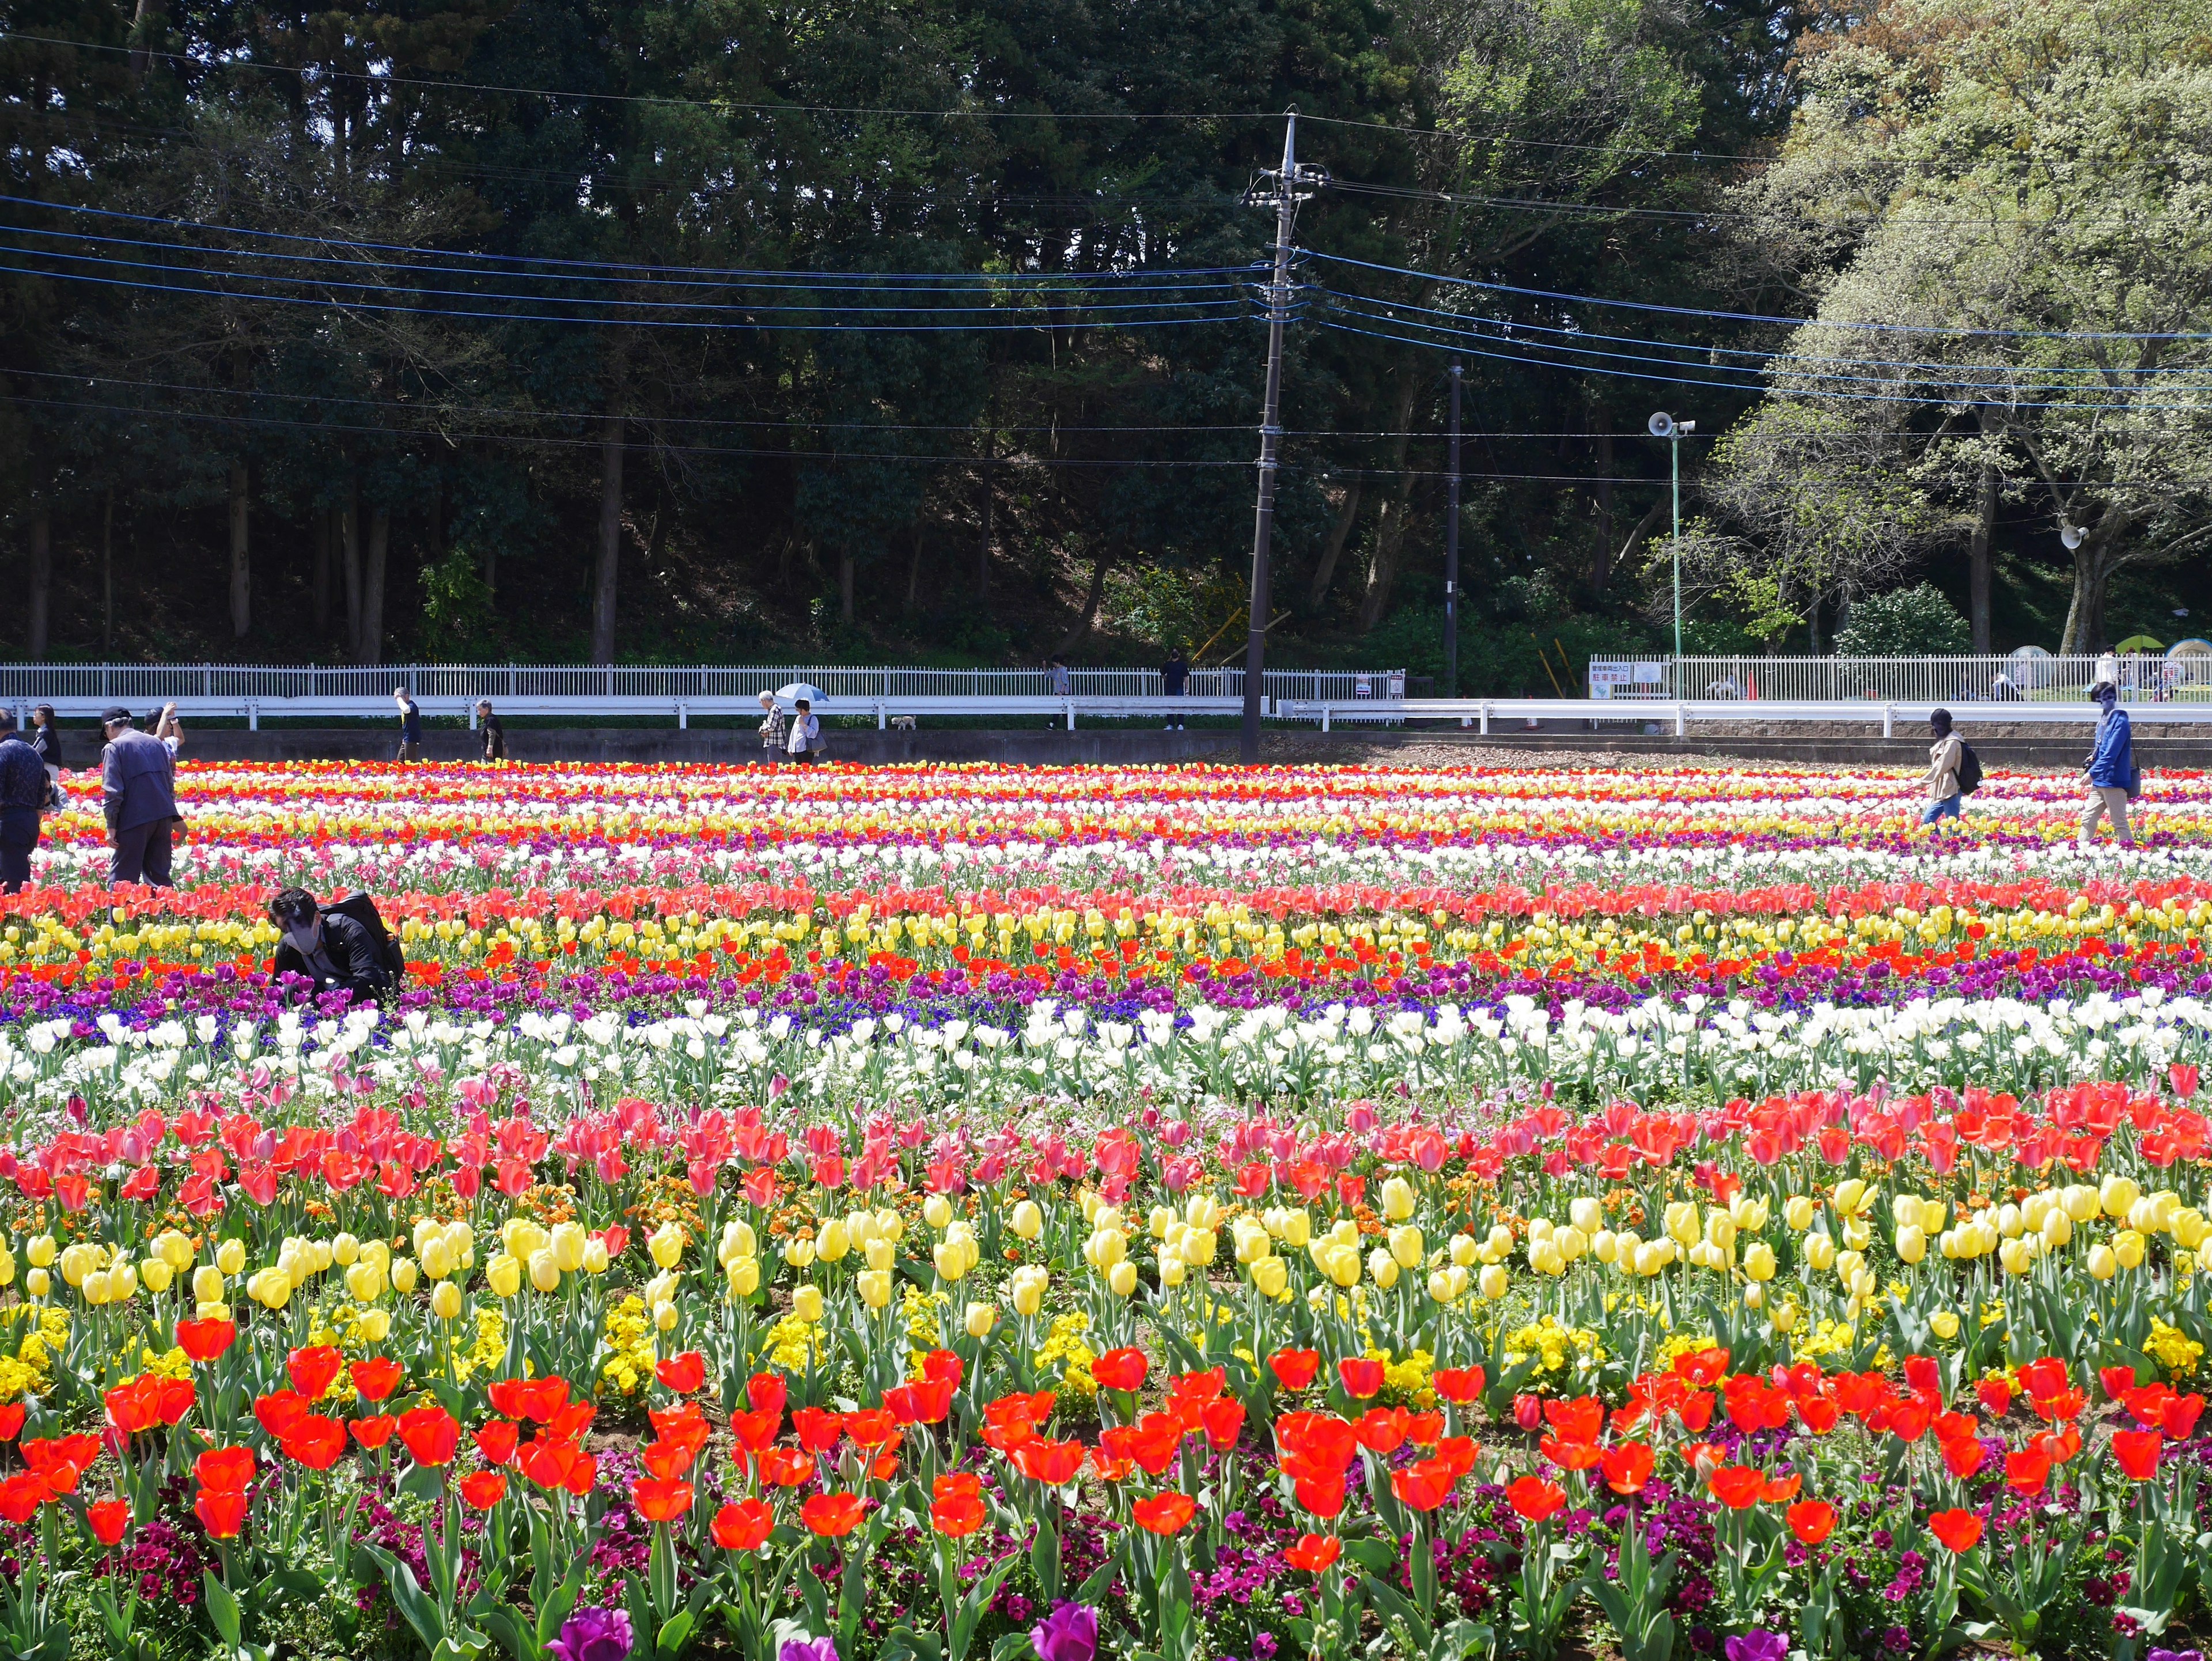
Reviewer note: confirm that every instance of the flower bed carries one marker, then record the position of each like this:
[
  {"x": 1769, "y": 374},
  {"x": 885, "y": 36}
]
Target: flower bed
[{"x": 956, "y": 1213}]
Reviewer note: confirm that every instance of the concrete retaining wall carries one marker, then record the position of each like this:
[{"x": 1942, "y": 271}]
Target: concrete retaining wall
[{"x": 1033, "y": 747}]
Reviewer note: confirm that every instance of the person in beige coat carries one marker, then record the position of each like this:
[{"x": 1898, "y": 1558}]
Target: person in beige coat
[{"x": 1945, "y": 757}]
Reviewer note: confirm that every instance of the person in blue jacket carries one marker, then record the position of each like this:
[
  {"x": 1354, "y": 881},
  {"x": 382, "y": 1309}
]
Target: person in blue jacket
[{"x": 2112, "y": 767}]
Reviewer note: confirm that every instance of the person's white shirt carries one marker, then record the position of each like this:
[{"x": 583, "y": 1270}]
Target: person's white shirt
[{"x": 804, "y": 730}]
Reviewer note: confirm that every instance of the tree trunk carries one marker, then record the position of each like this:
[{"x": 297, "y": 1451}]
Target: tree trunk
[
  {"x": 913, "y": 570},
  {"x": 610, "y": 564},
  {"x": 320, "y": 592},
  {"x": 1978, "y": 562},
  {"x": 241, "y": 575},
  {"x": 1601, "y": 571},
  {"x": 983, "y": 548},
  {"x": 37, "y": 598},
  {"x": 144, "y": 22},
  {"x": 1390, "y": 526},
  {"x": 372, "y": 586},
  {"x": 1081, "y": 626},
  {"x": 845, "y": 584},
  {"x": 1347, "y": 515},
  {"x": 349, "y": 545},
  {"x": 108, "y": 573}
]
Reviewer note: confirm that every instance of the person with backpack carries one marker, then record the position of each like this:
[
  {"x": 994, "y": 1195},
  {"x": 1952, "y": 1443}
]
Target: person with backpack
[
  {"x": 1953, "y": 771},
  {"x": 344, "y": 945},
  {"x": 2113, "y": 779}
]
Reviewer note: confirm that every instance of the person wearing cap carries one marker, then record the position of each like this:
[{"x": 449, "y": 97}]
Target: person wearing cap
[
  {"x": 494, "y": 734},
  {"x": 2111, "y": 769},
  {"x": 23, "y": 787},
  {"x": 138, "y": 793},
  {"x": 771, "y": 729},
  {"x": 411, "y": 725}
]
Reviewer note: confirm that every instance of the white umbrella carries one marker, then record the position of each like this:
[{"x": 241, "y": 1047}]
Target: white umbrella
[{"x": 787, "y": 695}]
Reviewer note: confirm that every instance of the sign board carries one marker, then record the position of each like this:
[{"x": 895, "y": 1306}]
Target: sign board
[
  {"x": 1613, "y": 677},
  {"x": 1363, "y": 686},
  {"x": 1397, "y": 685}
]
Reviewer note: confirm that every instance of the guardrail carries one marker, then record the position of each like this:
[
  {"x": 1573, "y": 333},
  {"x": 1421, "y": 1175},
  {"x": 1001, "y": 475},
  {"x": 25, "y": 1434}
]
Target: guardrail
[
  {"x": 2180, "y": 673},
  {"x": 888, "y": 693},
  {"x": 1681, "y": 713}
]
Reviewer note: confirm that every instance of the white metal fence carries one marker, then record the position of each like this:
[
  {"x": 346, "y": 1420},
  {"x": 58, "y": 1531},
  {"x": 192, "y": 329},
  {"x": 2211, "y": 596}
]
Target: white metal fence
[
  {"x": 2181, "y": 674},
  {"x": 886, "y": 692}
]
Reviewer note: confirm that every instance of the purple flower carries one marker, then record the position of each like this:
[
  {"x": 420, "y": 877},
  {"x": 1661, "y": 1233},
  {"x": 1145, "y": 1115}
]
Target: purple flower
[
  {"x": 2175, "y": 1655},
  {"x": 1757, "y": 1645},
  {"x": 594, "y": 1635},
  {"x": 819, "y": 1649},
  {"x": 1070, "y": 1633}
]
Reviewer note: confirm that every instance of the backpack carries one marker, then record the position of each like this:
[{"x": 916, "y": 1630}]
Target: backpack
[
  {"x": 363, "y": 911},
  {"x": 1970, "y": 769}
]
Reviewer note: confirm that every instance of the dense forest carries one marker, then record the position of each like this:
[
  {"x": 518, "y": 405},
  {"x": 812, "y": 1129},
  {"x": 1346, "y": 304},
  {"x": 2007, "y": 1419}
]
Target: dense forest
[{"x": 638, "y": 329}]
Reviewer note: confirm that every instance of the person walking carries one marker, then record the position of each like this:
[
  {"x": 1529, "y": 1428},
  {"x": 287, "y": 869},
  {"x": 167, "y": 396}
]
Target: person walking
[
  {"x": 23, "y": 794},
  {"x": 45, "y": 738},
  {"x": 2111, "y": 766},
  {"x": 804, "y": 744},
  {"x": 411, "y": 725},
  {"x": 138, "y": 794},
  {"x": 1175, "y": 675},
  {"x": 771, "y": 730},
  {"x": 1945, "y": 758},
  {"x": 494, "y": 734}
]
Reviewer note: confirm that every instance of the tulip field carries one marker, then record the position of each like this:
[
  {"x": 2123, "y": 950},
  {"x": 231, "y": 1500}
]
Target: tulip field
[{"x": 1159, "y": 1215}]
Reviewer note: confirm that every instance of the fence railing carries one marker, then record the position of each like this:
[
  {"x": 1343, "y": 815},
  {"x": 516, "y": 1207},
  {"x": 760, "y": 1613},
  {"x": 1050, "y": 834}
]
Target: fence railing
[
  {"x": 2181, "y": 674},
  {"x": 256, "y": 692}
]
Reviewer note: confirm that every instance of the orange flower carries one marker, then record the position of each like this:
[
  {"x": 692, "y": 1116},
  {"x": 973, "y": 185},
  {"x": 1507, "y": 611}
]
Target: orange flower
[
  {"x": 744, "y": 1527},
  {"x": 1460, "y": 1384},
  {"x": 1363, "y": 1377},
  {"x": 1314, "y": 1553},
  {"x": 1423, "y": 1487},
  {"x": 315, "y": 1371},
  {"x": 375, "y": 1377},
  {"x": 432, "y": 1434},
  {"x": 225, "y": 1470},
  {"x": 833, "y": 1515},
  {"x": 1959, "y": 1531},
  {"x": 482, "y": 1489},
  {"x": 496, "y": 1440},
  {"x": 1812, "y": 1520},
  {"x": 682, "y": 1374},
  {"x": 203, "y": 1340},
  {"x": 1534, "y": 1499},
  {"x": 316, "y": 1442},
  {"x": 1737, "y": 1487},
  {"x": 375, "y": 1431},
  {"x": 107, "y": 1519},
  {"x": 1294, "y": 1369},
  {"x": 661, "y": 1498},
  {"x": 783, "y": 1467},
  {"x": 1164, "y": 1513},
  {"x": 1628, "y": 1467},
  {"x": 1120, "y": 1369},
  {"x": 2136, "y": 1452},
  {"x": 2026, "y": 1471},
  {"x": 221, "y": 1512}
]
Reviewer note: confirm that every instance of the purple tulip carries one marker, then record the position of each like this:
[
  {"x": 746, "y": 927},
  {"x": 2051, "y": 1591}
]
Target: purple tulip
[
  {"x": 2175, "y": 1655},
  {"x": 594, "y": 1635},
  {"x": 819, "y": 1649},
  {"x": 1757, "y": 1645},
  {"x": 1070, "y": 1633}
]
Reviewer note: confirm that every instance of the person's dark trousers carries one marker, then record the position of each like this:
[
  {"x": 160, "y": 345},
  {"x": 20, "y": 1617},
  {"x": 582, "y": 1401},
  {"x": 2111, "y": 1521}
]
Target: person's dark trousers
[
  {"x": 19, "y": 835},
  {"x": 142, "y": 853}
]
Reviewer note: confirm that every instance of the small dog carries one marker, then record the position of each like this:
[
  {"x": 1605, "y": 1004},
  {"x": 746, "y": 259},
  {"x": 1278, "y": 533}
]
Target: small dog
[{"x": 903, "y": 723}]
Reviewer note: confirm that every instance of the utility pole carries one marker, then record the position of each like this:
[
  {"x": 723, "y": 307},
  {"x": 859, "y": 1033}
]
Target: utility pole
[
  {"x": 1283, "y": 191},
  {"x": 1451, "y": 554},
  {"x": 1663, "y": 425}
]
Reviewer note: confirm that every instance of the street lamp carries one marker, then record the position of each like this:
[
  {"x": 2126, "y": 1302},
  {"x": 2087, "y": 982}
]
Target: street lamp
[{"x": 1663, "y": 425}]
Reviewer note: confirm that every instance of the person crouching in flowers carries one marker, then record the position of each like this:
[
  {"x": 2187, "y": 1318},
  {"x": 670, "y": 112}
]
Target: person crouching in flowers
[{"x": 330, "y": 945}]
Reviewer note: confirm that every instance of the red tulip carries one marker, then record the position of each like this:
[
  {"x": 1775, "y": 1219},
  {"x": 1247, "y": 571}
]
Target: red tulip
[
  {"x": 1628, "y": 1467},
  {"x": 1569, "y": 1455},
  {"x": 495, "y": 1440},
  {"x": 1995, "y": 1395},
  {"x": 1120, "y": 1369},
  {"x": 1737, "y": 1487},
  {"x": 2117, "y": 1381},
  {"x": 1294, "y": 1369},
  {"x": 682, "y": 1374},
  {"x": 203, "y": 1340},
  {"x": 315, "y": 1442},
  {"x": 1322, "y": 1496},
  {"x": 833, "y": 1515},
  {"x": 1315, "y": 1553},
  {"x": 107, "y": 1519},
  {"x": 818, "y": 1429},
  {"x": 433, "y": 1435},
  {"x": 482, "y": 1489},
  {"x": 1533, "y": 1498},
  {"x": 1224, "y": 1421},
  {"x": 374, "y": 1433},
  {"x": 1811, "y": 1520},
  {"x": 766, "y": 1392},
  {"x": 957, "y": 1516},
  {"x": 11, "y": 1421},
  {"x": 1704, "y": 1368},
  {"x": 1362, "y": 1376},
  {"x": 1962, "y": 1456},
  {"x": 667, "y": 1459},
  {"x": 1460, "y": 1384},
  {"x": 315, "y": 1371},
  {"x": 21, "y": 1496},
  {"x": 1959, "y": 1531},
  {"x": 1381, "y": 1430},
  {"x": 1056, "y": 1464},
  {"x": 221, "y": 1512},
  {"x": 2136, "y": 1452},
  {"x": 225, "y": 1469},
  {"x": 744, "y": 1527},
  {"x": 375, "y": 1377},
  {"x": 2027, "y": 1470},
  {"x": 1423, "y": 1487},
  {"x": 783, "y": 1468},
  {"x": 661, "y": 1498},
  {"x": 1164, "y": 1513}
]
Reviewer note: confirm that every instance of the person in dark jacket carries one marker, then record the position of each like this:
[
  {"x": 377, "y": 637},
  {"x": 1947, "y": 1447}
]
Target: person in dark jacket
[
  {"x": 45, "y": 738},
  {"x": 23, "y": 797},
  {"x": 326, "y": 947},
  {"x": 494, "y": 734},
  {"x": 138, "y": 793},
  {"x": 1175, "y": 675},
  {"x": 2112, "y": 767},
  {"x": 411, "y": 725}
]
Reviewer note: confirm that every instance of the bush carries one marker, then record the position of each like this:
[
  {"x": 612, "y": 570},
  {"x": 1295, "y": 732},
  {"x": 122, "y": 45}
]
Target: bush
[{"x": 1916, "y": 622}]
